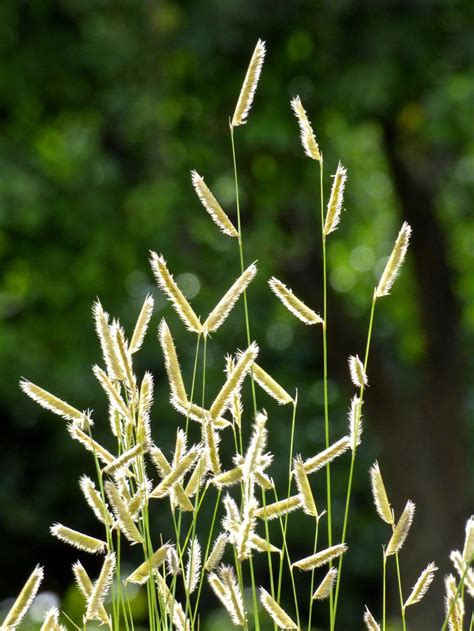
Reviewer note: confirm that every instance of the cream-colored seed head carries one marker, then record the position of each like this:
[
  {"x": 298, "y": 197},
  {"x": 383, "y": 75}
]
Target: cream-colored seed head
[
  {"x": 333, "y": 213},
  {"x": 308, "y": 139},
  {"x": 395, "y": 261},
  {"x": 249, "y": 85},
  {"x": 212, "y": 206},
  {"x": 294, "y": 304}
]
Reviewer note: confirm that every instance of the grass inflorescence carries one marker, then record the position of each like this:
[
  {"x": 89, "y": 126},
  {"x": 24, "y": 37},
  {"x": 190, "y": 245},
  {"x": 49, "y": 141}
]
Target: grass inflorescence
[{"x": 249, "y": 517}]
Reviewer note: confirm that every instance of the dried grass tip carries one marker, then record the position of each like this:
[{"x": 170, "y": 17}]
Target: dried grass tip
[
  {"x": 369, "y": 621},
  {"x": 421, "y": 586},
  {"x": 401, "y": 530},
  {"x": 308, "y": 139},
  {"x": 294, "y": 304},
  {"x": 333, "y": 214},
  {"x": 321, "y": 558},
  {"x": 357, "y": 370},
  {"x": 395, "y": 261},
  {"x": 468, "y": 550},
  {"x": 382, "y": 505},
  {"x": 24, "y": 600},
  {"x": 326, "y": 586},
  {"x": 276, "y": 613},
  {"x": 271, "y": 387},
  {"x": 78, "y": 539},
  {"x": 220, "y": 312},
  {"x": 55, "y": 405},
  {"x": 249, "y": 85},
  {"x": 167, "y": 283},
  {"x": 212, "y": 206}
]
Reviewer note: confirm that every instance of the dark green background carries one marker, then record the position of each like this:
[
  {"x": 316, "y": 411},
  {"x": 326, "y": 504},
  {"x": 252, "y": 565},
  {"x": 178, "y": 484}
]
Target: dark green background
[{"x": 106, "y": 106}]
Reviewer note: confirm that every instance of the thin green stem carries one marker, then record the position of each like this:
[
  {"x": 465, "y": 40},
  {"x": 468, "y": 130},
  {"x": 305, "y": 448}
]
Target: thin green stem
[
  {"x": 242, "y": 260},
  {"x": 353, "y": 458},
  {"x": 284, "y": 525},
  {"x": 384, "y": 595},
  {"x": 325, "y": 374},
  {"x": 206, "y": 555},
  {"x": 399, "y": 578},
  {"x": 315, "y": 547},
  {"x": 254, "y": 596}
]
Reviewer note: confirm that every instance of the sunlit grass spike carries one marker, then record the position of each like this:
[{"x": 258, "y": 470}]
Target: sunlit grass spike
[
  {"x": 379, "y": 493},
  {"x": 326, "y": 586},
  {"x": 276, "y": 613},
  {"x": 212, "y": 206},
  {"x": 21, "y": 605},
  {"x": 369, "y": 621},
  {"x": 294, "y": 304},
  {"x": 55, "y": 405},
  {"x": 100, "y": 589},
  {"x": 141, "y": 325},
  {"x": 167, "y": 283},
  {"x": 401, "y": 530},
  {"x": 333, "y": 213},
  {"x": 308, "y": 139},
  {"x": 249, "y": 85},
  {"x": 220, "y": 312},
  {"x": 422, "y": 585},
  {"x": 395, "y": 261}
]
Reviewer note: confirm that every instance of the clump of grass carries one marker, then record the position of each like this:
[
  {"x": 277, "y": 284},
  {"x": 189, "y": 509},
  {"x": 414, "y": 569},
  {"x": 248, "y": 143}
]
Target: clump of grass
[{"x": 175, "y": 565}]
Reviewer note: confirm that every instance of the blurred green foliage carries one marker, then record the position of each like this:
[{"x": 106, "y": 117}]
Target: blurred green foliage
[{"x": 105, "y": 107}]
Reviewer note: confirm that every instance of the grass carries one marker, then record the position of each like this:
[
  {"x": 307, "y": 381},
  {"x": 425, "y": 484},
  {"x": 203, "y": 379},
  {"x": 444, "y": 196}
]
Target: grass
[{"x": 139, "y": 478}]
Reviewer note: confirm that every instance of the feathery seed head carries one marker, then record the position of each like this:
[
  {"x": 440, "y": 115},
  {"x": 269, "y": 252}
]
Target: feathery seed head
[
  {"x": 234, "y": 381},
  {"x": 168, "y": 285},
  {"x": 89, "y": 443},
  {"x": 212, "y": 206},
  {"x": 141, "y": 325},
  {"x": 271, "y": 387},
  {"x": 217, "y": 552},
  {"x": 321, "y": 558},
  {"x": 282, "y": 507},
  {"x": 308, "y": 139},
  {"x": 333, "y": 214},
  {"x": 357, "y": 370},
  {"x": 78, "y": 539},
  {"x": 55, "y": 405},
  {"x": 143, "y": 571},
  {"x": 468, "y": 550},
  {"x": 317, "y": 462},
  {"x": 276, "y": 613},
  {"x": 94, "y": 500},
  {"x": 326, "y": 586},
  {"x": 370, "y": 622},
  {"x": 249, "y": 85},
  {"x": 25, "y": 598},
  {"x": 379, "y": 493},
  {"x": 122, "y": 514},
  {"x": 400, "y": 532},
  {"x": 172, "y": 561},
  {"x": 220, "y": 312},
  {"x": 100, "y": 588},
  {"x": 355, "y": 422},
  {"x": 173, "y": 370},
  {"x": 422, "y": 585},
  {"x": 454, "y": 604},
  {"x": 294, "y": 304},
  {"x": 395, "y": 261},
  {"x": 304, "y": 487},
  {"x": 107, "y": 342}
]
